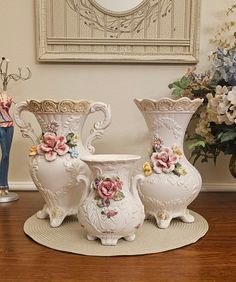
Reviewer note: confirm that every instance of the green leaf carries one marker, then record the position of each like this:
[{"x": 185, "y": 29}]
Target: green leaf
[
  {"x": 204, "y": 160},
  {"x": 196, "y": 144},
  {"x": 175, "y": 171},
  {"x": 179, "y": 86},
  {"x": 118, "y": 196},
  {"x": 184, "y": 82},
  {"x": 215, "y": 79},
  {"x": 100, "y": 203},
  {"x": 178, "y": 92},
  {"x": 228, "y": 136},
  {"x": 171, "y": 85},
  {"x": 196, "y": 157}
]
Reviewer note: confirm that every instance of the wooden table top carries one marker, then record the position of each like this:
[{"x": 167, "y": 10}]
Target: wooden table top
[{"x": 213, "y": 258}]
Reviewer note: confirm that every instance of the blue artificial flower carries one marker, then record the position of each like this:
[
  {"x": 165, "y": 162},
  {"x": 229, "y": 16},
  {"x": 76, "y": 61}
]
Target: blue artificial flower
[{"x": 73, "y": 152}]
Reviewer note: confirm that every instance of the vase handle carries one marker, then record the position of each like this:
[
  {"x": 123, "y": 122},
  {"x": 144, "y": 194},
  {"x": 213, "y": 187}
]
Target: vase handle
[
  {"x": 99, "y": 126},
  {"x": 25, "y": 127},
  {"x": 136, "y": 180},
  {"x": 86, "y": 181}
]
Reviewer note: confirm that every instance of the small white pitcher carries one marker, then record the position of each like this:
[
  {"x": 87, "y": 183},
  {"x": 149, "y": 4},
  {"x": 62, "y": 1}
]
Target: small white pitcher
[{"x": 110, "y": 206}]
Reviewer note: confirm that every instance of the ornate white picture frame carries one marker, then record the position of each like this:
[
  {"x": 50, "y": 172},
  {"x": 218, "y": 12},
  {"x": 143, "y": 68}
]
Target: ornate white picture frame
[{"x": 139, "y": 31}]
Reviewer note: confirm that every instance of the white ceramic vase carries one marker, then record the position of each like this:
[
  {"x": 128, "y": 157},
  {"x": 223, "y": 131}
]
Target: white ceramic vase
[
  {"x": 171, "y": 182},
  {"x": 55, "y": 157},
  {"x": 110, "y": 207}
]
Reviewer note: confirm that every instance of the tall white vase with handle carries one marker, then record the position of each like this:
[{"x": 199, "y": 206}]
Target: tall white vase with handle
[
  {"x": 55, "y": 157},
  {"x": 171, "y": 182}
]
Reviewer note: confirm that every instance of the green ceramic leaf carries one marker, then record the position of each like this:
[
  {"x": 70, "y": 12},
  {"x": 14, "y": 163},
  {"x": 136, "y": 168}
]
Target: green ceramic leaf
[{"x": 118, "y": 196}]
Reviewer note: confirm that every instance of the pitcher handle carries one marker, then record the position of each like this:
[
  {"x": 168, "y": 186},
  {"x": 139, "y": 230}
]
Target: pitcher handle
[
  {"x": 99, "y": 126},
  {"x": 25, "y": 127}
]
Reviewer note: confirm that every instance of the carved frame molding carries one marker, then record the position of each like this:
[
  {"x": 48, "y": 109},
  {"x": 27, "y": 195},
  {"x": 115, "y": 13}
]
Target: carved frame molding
[{"x": 143, "y": 44}]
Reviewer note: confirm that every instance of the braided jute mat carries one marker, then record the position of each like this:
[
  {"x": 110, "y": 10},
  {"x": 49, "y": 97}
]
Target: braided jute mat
[{"x": 70, "y": 237}]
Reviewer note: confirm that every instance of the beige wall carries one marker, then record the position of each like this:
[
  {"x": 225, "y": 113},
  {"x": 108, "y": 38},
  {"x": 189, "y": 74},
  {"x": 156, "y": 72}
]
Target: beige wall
[{"x": 116, "y": 84}]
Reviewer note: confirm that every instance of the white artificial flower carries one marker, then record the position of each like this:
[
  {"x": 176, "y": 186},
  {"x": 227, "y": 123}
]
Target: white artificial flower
[
  {"x": 225, "y": 51},
  {"x": 217, "y": 63},
  {"x": 232, "y": 96},
  {"x": 223, "y": 109},
  {"x": 221, "y": 90},
  {"x": 215, "y": 102},
  {"x": 227, "y": 62}
]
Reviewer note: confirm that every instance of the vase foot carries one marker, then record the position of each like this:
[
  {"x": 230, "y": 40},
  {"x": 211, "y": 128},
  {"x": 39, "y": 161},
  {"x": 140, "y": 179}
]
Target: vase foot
[
  {"x": 91, "y": 237},
  {"x": 57, "y": 215},
  {"x": 163, "y": 223},
  {"x": 42, "y": 214},
  {"x": 109, "y": 241},
  {"x": 56, "y": 222},
  {"x": 163, "y": 219},
  {"x": 187, "y": 217},
  {"x": 130, "y": 238}
]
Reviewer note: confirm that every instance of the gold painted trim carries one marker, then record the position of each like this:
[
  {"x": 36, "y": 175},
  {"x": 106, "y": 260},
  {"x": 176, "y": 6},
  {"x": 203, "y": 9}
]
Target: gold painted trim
[
  {"x": 167, "y": 104},
  {"x": 64, "y": 106}
]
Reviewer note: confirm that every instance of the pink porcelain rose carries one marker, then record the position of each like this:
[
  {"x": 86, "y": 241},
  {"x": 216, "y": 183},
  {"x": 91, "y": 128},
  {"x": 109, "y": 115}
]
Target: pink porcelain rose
[
  {"x": 164, "y": 161},
  {"x": 52, "y": 146},
  {"x": 107, "y": 188}
]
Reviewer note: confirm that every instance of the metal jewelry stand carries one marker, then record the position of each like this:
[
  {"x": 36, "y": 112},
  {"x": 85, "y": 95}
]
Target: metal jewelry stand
[{"x": 5, "y": 195}]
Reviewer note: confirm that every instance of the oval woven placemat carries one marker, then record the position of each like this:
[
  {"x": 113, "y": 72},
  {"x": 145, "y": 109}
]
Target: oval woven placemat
[{"x": 70, "y": 237}]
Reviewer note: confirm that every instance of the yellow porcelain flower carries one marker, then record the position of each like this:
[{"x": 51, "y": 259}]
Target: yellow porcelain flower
[
  {"x": 75, "y": 139},
  {"x": 176, "y": 150},
  {"x": 33, "y": 151},
  {"x": 181, "y": 171},
  {"x": 147, "y": 169}
]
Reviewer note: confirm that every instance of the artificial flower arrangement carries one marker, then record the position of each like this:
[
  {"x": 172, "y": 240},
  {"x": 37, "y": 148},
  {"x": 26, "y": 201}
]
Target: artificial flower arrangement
[
  {"x": 215, "y": 129},
  {"x": 51, "y": 145}
]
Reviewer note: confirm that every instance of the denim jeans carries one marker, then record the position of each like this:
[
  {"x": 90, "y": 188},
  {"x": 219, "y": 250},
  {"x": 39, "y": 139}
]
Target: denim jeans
[{"x": 6, "y": 134}]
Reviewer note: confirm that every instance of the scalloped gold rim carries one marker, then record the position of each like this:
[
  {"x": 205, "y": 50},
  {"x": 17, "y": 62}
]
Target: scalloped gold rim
[
  {"x": 168, "y": 104},
  {"x": 63, "y": 106}
]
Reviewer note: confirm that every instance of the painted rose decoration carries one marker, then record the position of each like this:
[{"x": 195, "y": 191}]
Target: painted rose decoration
[{"x": 164, "y": 159}]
